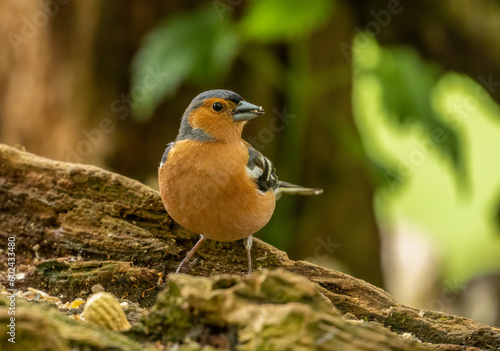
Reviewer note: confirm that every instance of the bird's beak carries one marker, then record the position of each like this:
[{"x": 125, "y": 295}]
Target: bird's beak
[{"x": 246, "y": 111}]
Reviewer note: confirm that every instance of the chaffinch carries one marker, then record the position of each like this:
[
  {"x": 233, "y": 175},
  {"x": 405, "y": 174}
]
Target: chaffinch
[{"x": 214, "y": 183}]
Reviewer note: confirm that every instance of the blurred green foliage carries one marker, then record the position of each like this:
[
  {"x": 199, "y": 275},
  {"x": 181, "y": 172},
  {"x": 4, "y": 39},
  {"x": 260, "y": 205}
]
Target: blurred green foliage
[
  {"x": 284, "y": 20},
  {"x": 400, "y": 102},
  {"x": 201, "y": 45},
  {"x": 406, "y": 85},
  {"x": 193, "y": 46}
]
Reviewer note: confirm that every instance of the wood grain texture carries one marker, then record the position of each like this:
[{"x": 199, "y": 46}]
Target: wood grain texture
[{"x": 87, "y": 212}]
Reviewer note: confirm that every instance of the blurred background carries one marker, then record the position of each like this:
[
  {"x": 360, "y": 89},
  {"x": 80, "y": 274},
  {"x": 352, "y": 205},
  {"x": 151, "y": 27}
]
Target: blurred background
[{"x": 390, "y": 106}]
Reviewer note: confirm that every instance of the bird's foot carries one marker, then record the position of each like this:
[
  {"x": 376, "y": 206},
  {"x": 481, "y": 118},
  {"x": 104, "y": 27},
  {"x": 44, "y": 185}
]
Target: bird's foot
[{"x": 185, "y": 267}]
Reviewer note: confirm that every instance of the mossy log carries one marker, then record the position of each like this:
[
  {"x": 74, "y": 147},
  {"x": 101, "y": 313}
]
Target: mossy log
[{"x": 78, "y": 225}]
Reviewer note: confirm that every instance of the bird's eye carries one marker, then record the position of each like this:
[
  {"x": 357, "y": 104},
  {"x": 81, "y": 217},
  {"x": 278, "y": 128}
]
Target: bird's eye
[{"x": 217, "y": 106}]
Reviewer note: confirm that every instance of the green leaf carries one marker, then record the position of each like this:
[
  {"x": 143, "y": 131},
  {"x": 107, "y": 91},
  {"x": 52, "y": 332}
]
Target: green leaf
[
  {"x": 284, "y": 20},
  {"x": 408, "y": 83},
  {"x": 195, "y": 46}
]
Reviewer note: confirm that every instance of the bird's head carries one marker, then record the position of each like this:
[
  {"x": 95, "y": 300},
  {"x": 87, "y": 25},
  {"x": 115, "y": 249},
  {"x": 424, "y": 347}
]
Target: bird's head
[{"x": 217, "y": 115}]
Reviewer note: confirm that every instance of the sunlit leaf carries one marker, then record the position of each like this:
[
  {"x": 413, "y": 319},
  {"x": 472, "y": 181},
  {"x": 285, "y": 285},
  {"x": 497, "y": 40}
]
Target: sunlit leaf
[
  {"x": 408, "y": 83},
  {"x": 279, "y": 20},
  {"x": 192, "y": 46},
  {"x": 497, "y": 217}
]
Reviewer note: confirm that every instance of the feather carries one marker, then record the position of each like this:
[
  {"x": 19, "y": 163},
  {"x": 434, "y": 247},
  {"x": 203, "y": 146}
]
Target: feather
[{"x": 289, "y": 188}]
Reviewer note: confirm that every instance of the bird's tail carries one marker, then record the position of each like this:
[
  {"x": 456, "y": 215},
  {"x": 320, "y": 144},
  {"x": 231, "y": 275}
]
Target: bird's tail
[{"x": 288, "y": 188}]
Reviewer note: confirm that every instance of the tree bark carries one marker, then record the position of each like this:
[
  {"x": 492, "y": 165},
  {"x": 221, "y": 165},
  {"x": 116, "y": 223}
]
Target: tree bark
[{"x": 122, "y": 238}]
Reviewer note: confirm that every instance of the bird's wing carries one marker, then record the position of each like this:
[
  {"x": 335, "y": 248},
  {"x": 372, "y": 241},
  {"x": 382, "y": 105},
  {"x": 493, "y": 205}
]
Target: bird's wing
[
  {"x": 261, "y": 170},
  {"x": 165, "y": 154}
]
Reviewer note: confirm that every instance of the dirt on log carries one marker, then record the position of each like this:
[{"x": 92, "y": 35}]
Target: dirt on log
[{"x": 78, "y": 225}]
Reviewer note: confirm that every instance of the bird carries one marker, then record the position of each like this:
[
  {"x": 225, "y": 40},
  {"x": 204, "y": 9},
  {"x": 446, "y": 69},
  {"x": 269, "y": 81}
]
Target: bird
[{"x": 214, "y": 183}]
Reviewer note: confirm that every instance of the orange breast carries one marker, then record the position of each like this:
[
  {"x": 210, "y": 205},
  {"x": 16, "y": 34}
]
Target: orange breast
[{"x": 205, "y": 188}]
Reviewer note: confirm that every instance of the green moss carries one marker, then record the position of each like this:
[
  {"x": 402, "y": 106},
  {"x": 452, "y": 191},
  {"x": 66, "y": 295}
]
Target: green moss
[
  {"x": 169, "y": 319},
  {"x": 52, "y": 267},
  {"x": 270, "y": 309},
  {"x": 40, "y": 328}
]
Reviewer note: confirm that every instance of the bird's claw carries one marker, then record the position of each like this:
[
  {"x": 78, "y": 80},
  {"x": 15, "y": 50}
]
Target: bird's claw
[{"x": 184, "y": 268}]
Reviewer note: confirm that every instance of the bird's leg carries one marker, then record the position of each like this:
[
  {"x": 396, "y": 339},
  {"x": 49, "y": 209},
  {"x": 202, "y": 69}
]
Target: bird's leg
[
  {"x": 248, "y": 245},
  {"x": 186, "y": 259}
]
